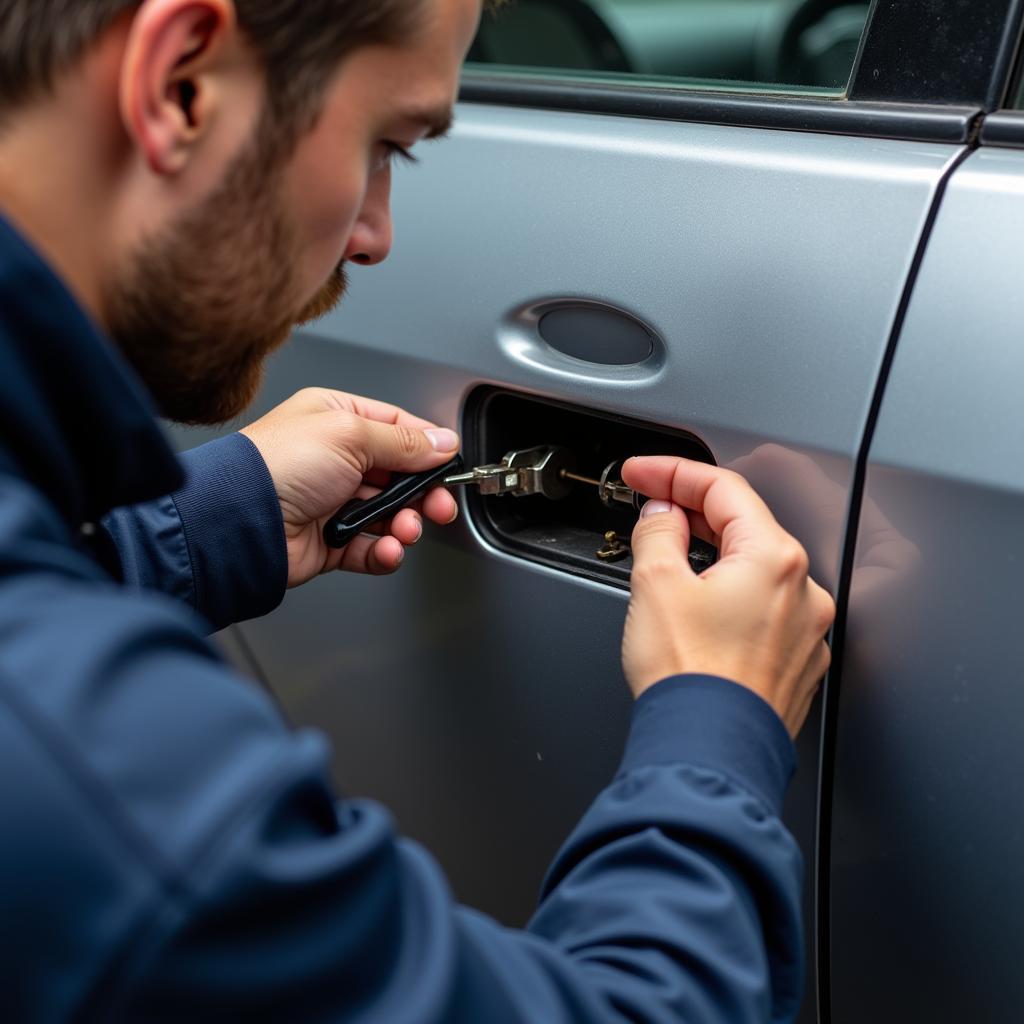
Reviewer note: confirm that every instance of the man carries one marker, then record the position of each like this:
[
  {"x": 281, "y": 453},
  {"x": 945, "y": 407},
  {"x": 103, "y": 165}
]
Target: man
[{"x": 181, "y": 182}]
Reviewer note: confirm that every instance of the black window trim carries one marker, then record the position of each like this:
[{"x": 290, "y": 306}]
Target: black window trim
[
  {"x": 917, "y": 122},
  {"x": 909, "y": 81},
  {"x": 1004, "y": 129}
]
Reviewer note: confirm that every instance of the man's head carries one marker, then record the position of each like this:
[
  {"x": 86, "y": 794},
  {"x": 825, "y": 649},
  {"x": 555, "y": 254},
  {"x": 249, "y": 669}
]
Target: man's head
[{"x": 227, "y": 157}]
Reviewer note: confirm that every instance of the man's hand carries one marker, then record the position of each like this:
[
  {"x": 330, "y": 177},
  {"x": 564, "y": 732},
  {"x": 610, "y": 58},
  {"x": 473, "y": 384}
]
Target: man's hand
[
  {"x": 324, "y": 448},
  {"x": 754, "y": 617}
]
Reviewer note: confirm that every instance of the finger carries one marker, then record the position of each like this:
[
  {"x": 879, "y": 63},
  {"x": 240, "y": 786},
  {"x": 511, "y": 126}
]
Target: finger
[
  {"x": 400, "y": 448},
  {"x": 372, "y": 556},
  {"x": 731, "y": 507},
  {"x": 317, "y": 400},
  {"x": 824, "y": 606},
  {"x": 407, "y": 527},
  {"x": 382, "y": 412},
  {"x": 372, "y": 409},
  {"x": 385, "y": 556},
  {"x": 700, "y": 527},
  {"x": 661, "y": 542},
  {"x": 823, "y": 663},
  {"x": 440, "y": 506},
  {"x": 330, "y": 400}
]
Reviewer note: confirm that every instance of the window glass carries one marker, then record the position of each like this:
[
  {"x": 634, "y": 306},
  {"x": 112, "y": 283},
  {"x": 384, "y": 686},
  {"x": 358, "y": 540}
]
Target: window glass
[
  {"x": 1018, "y": 102},
  {"x": 809, "y": 44}
]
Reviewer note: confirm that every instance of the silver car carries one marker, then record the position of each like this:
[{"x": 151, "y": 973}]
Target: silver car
[{"x": 780, "y": 235}]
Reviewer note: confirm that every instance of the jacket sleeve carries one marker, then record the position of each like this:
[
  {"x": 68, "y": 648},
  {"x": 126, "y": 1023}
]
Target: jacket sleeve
[
  {"x": 675, "y": 899},
  {"x": 217, "y": 544}
]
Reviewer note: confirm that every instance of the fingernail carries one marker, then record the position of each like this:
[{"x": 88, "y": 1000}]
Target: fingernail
[
  {"x": 654, "y": 508},
  {"x": 419, "y": 531},
  {"x": 443, "y": 440}
]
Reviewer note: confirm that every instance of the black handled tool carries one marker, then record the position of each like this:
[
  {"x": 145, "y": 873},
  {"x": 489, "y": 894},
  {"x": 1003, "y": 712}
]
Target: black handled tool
[{"x": 359, "y": 515}]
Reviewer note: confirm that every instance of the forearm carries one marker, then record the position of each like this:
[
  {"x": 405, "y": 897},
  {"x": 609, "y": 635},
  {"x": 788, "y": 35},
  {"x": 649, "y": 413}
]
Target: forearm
[
  {"x": 217, "y": 544},
  {"x": 676, "y": 899},
  {"x": 679, "y": 890}
]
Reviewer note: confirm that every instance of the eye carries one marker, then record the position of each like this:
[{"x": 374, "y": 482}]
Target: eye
[{"x": 396, "y": 152}]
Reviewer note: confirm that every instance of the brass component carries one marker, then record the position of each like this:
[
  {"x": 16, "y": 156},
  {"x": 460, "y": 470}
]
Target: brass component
[{"x": 614, "y": 549}]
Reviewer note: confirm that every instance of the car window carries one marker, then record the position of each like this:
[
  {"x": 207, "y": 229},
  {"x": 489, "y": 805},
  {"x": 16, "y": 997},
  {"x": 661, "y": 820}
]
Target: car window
[{"x": 808, "y": 44}]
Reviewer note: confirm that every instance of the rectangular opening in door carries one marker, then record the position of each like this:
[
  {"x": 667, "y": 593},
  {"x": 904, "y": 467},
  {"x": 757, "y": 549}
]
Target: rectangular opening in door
[{"x": 573, "y": 532}]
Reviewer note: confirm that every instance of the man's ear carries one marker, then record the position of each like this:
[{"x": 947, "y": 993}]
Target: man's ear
[{"x": 168, "y": 86}]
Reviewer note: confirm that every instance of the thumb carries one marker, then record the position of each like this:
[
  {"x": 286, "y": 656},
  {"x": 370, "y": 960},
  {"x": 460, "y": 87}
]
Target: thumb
[
  {"x": 404, "y": 448},
  {"x": 661, "y": 541}
]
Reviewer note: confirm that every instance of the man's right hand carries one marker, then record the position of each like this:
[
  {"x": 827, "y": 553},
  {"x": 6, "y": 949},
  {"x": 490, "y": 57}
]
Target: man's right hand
[{"x": 754, "y": 617}]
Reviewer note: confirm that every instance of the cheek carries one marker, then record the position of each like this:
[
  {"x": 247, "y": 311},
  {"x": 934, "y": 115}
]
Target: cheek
[
  {"x": 324, "y": 198},
  {"x": 326, "y": 223}
]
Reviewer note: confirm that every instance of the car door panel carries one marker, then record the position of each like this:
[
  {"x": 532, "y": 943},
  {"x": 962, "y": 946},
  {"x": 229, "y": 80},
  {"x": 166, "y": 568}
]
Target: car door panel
[
  {"x": 477, "y": 694},
  {"x": 480, "y": 696}
]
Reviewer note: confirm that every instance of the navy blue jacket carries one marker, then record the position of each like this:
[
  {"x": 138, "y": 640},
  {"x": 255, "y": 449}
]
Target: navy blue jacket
[{"x": 172, "y": 850}]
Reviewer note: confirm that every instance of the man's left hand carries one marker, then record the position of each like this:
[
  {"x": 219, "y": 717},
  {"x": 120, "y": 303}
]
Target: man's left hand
[{"x": 323, "y": 448}]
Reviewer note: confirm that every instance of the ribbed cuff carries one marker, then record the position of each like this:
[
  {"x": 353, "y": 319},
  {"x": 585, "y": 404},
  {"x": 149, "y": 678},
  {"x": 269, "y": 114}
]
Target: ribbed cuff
[
  {"x": 716, "y": 724},
  {"x": 231, "y": 516}
]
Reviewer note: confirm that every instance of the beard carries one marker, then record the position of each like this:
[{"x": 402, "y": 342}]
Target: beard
[{"x": 206, "y": 300}]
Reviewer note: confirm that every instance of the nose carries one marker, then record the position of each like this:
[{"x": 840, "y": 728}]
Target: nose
[{"x": 370, "y": 241}]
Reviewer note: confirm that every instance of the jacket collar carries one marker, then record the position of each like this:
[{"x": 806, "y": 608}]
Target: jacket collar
[{"x": 75, "y": 422}]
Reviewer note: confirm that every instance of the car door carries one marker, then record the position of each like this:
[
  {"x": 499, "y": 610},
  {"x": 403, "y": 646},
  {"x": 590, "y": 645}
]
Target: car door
[{"x": 756, "y": 240}]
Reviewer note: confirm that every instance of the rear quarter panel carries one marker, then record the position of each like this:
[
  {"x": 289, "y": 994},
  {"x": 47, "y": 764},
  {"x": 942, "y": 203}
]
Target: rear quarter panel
[{"x": 928, "y": 829}]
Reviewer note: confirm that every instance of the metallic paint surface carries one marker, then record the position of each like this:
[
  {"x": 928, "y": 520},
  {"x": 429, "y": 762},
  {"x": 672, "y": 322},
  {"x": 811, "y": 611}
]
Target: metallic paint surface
[
  {"x": 928, "y": 838},
  {"x": 479, "y": 697}
]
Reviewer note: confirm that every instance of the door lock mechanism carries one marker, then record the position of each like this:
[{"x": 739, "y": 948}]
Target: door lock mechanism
[
  {"x": 546, "y": 470},
  {"x": 549, "y": 470},
  {"x": 534, "y": 449},
  {"x": 542, "y": 470}
]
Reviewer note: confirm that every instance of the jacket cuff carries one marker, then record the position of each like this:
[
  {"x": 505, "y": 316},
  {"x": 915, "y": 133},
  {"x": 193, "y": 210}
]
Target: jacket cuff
[
  {"x": 233, "y": 528},
  {"x": 713, "y": 723}
]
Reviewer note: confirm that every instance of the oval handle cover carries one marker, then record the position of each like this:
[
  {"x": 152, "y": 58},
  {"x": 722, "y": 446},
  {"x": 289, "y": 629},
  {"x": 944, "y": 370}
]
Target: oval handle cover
[{"x": 597, "y": 335}]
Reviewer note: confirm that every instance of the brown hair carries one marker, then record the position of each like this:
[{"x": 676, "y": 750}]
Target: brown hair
[{"x": 301, "y": 43}]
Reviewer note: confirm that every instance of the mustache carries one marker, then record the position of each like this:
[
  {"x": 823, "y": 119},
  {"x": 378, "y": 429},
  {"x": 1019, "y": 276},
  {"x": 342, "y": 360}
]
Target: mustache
[{"x": 327, "y": 298}]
